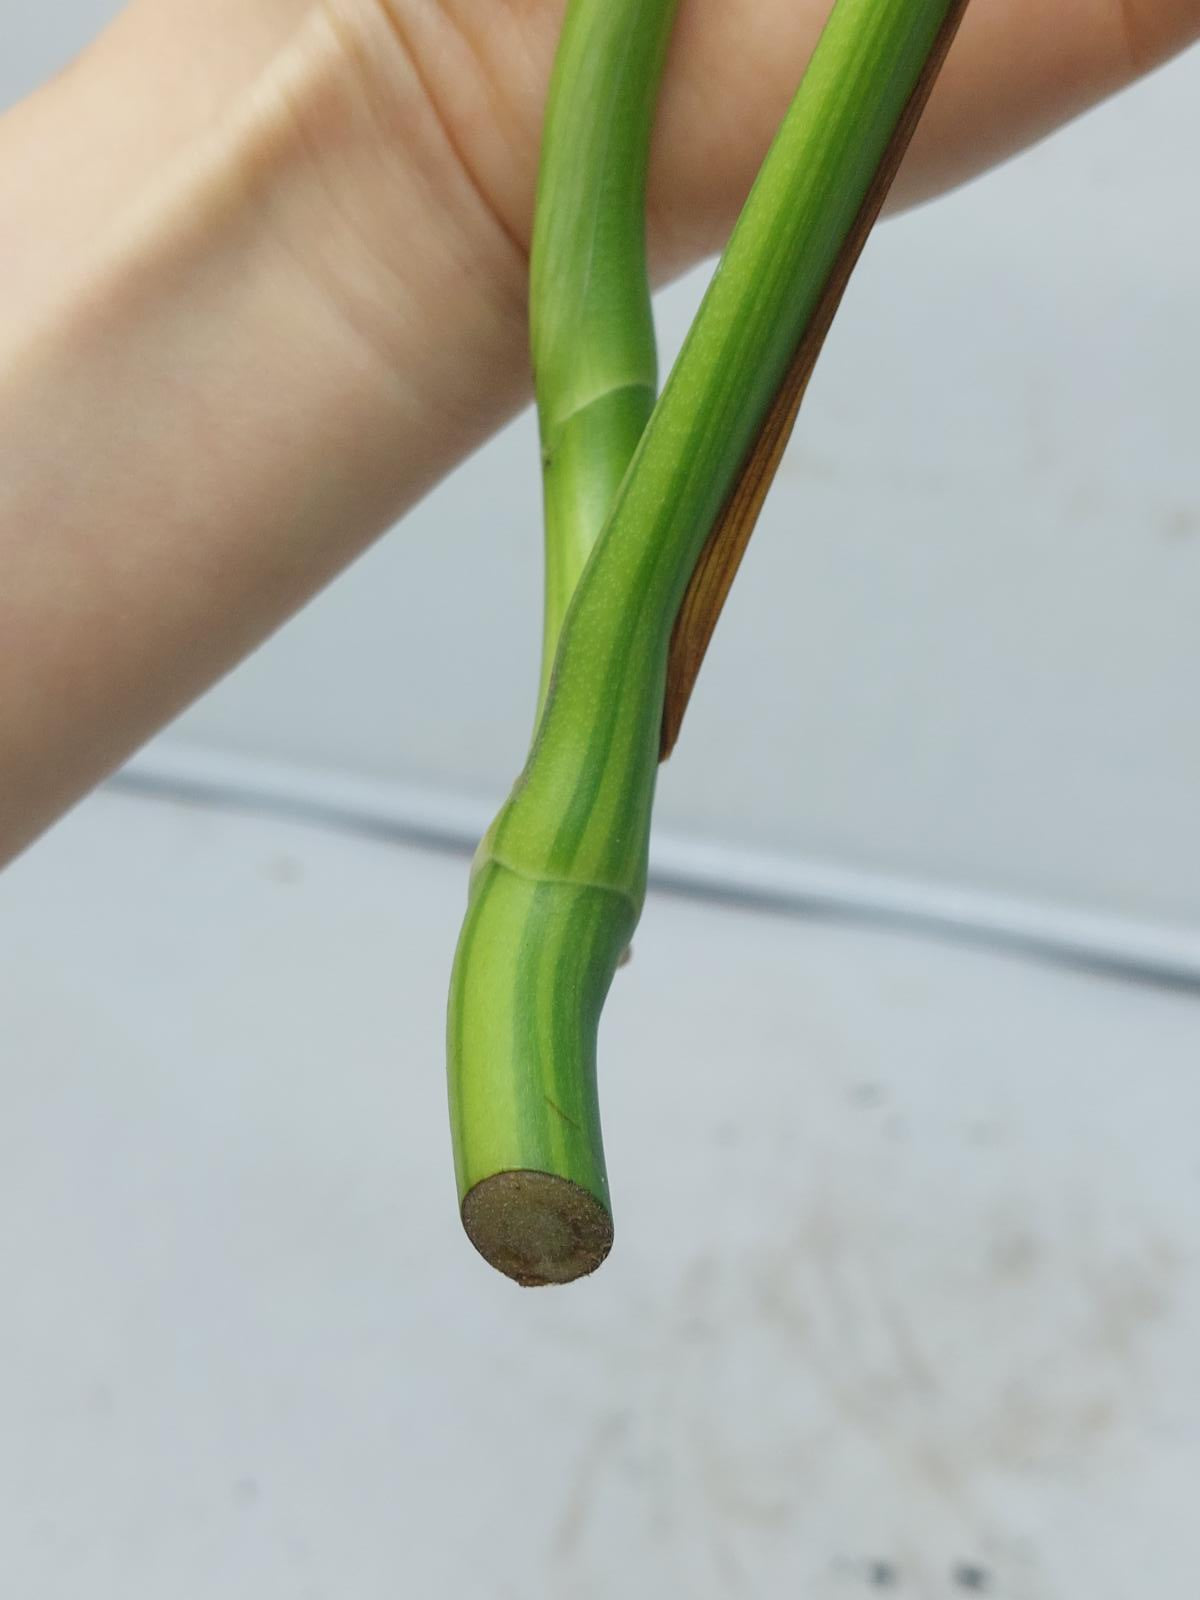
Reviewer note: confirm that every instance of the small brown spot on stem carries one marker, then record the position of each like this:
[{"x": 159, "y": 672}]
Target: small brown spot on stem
[{"x": 570, "y": 1121}]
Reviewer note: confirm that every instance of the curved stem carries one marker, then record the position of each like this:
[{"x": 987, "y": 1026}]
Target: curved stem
[
  {"x": 527, "y": 1127},
  {"x": 591, "y": 326},
  {"x": 560, "y": 877}
]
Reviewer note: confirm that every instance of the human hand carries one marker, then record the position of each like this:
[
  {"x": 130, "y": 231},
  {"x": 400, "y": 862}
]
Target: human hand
[
  {"x": 168, "y": 68},
  {"x": 264, "y": 281}
]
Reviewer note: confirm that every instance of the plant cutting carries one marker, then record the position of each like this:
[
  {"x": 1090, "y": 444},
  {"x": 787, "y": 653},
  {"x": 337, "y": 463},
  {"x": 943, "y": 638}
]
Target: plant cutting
[{"x": 648, "y": 509}]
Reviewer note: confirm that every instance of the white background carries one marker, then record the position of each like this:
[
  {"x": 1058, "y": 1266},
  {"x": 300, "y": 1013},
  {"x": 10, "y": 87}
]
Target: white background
[{"x": 906, "y": 1277}]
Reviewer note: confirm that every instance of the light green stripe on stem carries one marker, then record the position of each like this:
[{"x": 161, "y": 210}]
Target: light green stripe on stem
[{"x": 578, "y": 819}]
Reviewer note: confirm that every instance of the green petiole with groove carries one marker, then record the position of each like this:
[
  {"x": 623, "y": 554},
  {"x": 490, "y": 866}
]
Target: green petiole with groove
[{"x": 647, "y": 513}]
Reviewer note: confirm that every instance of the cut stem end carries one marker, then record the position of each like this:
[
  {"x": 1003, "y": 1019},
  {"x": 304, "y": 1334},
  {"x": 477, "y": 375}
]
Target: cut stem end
[{"x": 536, "y": 1227}]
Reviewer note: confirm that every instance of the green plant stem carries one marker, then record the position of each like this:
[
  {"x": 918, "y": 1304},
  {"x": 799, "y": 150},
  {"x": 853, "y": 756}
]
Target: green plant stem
[
  {"x": 591, "y": 326},
  {"x": 560, "y": 877}
]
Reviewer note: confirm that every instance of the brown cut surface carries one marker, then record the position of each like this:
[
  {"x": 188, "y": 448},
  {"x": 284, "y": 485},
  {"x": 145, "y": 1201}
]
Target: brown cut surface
[{"x": 536, "y": 1227}]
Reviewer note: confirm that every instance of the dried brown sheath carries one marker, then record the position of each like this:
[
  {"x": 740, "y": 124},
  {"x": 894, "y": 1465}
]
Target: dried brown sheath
[{"x": 717, "y": 567}]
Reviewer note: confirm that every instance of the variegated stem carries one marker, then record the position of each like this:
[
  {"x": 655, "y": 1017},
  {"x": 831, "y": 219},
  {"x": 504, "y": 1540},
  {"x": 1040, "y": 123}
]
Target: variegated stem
[{"x": 560, "y": 876}]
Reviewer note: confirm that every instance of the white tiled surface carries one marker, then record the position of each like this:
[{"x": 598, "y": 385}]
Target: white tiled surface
[{"x": 905, "y": 1297}]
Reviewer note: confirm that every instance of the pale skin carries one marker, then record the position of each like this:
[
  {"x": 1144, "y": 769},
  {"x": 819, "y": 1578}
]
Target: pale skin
[{"x": 262, "y": 270}]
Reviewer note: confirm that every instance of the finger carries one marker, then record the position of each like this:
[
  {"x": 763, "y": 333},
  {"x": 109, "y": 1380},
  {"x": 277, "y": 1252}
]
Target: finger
[
  {"x": 1017, "y": 69},
  {"x": 1020, "y": 68}
]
